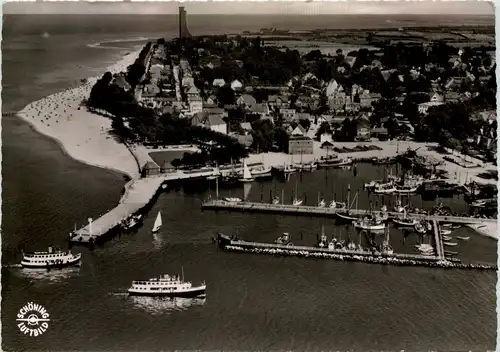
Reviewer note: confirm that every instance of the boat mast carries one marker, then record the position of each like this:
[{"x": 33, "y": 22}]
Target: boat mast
[{"x": 182, "y": 268}]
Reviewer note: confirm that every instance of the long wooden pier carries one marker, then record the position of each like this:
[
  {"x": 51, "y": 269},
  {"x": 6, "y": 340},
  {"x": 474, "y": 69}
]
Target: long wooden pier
[
  {"x": 317, "y": 211},
  {"x": 438, "y": 239}
]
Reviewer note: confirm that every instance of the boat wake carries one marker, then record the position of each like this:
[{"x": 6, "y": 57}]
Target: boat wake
[
  {"x": 50, "y": 275},
  {"x": 162, "y": 305}
]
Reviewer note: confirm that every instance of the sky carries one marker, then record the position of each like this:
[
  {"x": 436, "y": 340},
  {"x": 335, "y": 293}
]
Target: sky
[{"x": 309, "y": 7}]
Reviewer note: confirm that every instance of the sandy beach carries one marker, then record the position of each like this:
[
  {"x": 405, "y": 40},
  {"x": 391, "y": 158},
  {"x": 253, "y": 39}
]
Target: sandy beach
[{"x": 82, "y": 135}]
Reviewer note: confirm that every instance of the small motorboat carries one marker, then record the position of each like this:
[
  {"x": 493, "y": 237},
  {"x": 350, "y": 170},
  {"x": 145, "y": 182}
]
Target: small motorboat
[
  {"x": 232, "y": 199},
  {"x": 276, "y": 200},
  {"x": 450, "y": 244},
  {"x": 297, "y": 201},
  {"x": 463, "y": 238},
  {"x": 447, "y": 238},
  {"x": 284, "y": 239},
  {"x": 321, "y": 203},
  {"x": 444, "y": 232}
]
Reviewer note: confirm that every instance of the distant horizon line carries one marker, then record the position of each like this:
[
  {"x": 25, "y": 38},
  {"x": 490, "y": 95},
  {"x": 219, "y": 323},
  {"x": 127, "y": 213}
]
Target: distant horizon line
[{"x": 252, "y": 14}]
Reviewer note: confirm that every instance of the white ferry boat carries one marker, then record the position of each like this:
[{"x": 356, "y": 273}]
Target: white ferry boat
[
  {"x": 50, "y": 259},
  {"x": 165, "y": 285}
]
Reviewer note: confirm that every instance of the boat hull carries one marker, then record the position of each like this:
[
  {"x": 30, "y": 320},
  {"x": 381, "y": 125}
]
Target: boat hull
[
  {"x": 246, "y": 180},
  {"x": 346, "y": 217},
  {"x": 404, "y": 223},
  {"x": 193, "y": 292}
]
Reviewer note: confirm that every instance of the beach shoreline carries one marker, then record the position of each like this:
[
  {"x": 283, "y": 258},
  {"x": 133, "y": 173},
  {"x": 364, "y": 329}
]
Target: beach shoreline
[{"x": 82, "y": 135}]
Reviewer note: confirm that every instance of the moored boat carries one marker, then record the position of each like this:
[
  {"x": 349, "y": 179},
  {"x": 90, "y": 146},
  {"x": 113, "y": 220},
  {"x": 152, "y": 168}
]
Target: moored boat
[
  {"x": 406, "y": 189},
  {"x": 284, "y": 239},
  {"x": 420, "y": 227},
  {"x": 386, "y": 188},
  {"x": 232, "y": 199},
  {"x": 444, "y": 231},
  {"x": 165, "y": 285},
  {"x": 447, "y": 238},
  {"x": 463, "y": 238},
  {"x": 321, "y": 203},
  {"x": 53, "y": 258},
  {"x": 369, "y": 224},
  {"x": 450, "y": 244}
]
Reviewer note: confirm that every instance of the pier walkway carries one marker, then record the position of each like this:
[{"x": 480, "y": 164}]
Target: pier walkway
[
  {"x": 317, "y": 211},
  {"x": 438, "y": 240},
  {"x": 138, "y": 194}
]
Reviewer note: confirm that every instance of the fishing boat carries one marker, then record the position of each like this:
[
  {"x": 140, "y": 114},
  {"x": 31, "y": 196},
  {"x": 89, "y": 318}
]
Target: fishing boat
[
  {"x": 404, "y": 220},
  {"x": 406, "y": 189},
  {"x": 450, "y": 244},
  {"x": 463, "y": 238},
  {"x": 232, "y": 199},
  {"x": 333, "y": 161},
  {"x": 53, "y": 258},
  {"x": 386, "y": 247},
  {"x": 261, "y": 172},
  {"x": 247, "y": 175},
  {"x": 168, "y": 286},
  {"x": 386, "y": 188},
  {"x": 284, "y": 239},
  {"x": 369, "y": 224},
  {"x": 305, "y": 166},
  {"x": 158, "y": 223}
]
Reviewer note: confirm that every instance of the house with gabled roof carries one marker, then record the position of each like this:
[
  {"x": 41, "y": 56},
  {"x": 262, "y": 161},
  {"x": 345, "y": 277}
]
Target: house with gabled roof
[
  {"x": 246, "y": 100},
  {"x": 211, "y": 121}
]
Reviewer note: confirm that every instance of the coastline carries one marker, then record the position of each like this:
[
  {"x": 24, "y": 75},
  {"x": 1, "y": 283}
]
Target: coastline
[{"x": 82, "y": 135}]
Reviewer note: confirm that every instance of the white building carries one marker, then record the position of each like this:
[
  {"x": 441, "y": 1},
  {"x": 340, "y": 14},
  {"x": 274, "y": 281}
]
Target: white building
[{"x": 235, "y": 85}]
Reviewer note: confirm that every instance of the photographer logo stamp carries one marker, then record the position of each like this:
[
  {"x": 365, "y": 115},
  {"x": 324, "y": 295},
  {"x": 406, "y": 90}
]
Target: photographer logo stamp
[{"x": 33, "y": 319}]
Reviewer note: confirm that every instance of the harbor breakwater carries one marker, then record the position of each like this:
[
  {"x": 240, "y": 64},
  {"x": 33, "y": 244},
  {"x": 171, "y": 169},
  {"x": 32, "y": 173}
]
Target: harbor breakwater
[{"x": 372, "y": 259}]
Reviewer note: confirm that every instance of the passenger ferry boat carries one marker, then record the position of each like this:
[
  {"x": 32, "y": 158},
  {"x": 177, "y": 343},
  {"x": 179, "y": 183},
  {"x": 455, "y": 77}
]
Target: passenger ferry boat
[
  {"x": 165, "y": 285},
  {"x": 50, "y": 259}
]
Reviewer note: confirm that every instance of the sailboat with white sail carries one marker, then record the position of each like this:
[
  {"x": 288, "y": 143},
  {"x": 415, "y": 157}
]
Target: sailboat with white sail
[
  {"x": 158, "y": 223},
  {"x": 247, "y": 175}
]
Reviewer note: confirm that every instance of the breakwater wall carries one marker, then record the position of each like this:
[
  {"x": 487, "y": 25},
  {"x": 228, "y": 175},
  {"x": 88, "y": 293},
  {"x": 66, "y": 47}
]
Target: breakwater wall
[{"x": 372, "y": 259}]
